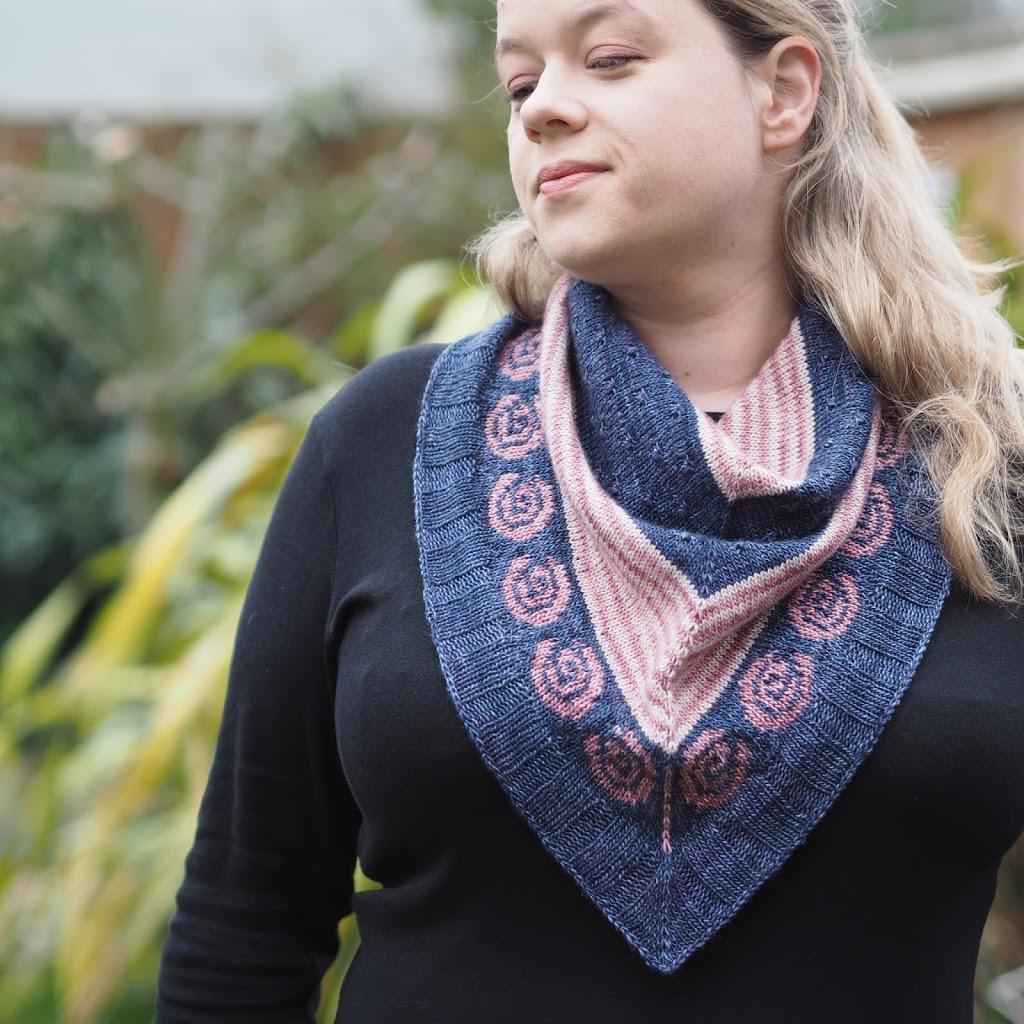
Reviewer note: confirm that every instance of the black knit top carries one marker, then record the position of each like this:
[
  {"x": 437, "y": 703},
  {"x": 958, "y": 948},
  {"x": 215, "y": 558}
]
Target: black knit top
[{"x": 339, "y": 739}]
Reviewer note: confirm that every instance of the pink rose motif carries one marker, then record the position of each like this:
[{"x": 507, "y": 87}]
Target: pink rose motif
[
  {"x": 568, "y": 679},
  {"x": 824, "y": 607},
  {"x": 513, "y": 427},
  {"x": 892, "y": 443},
  {"x": 713, "y": 769},
  {"x": 519, "y": 358},
  {"x": 775, "y": 689},
  {"x": 519, "y": 509},
  {"x": 875, "y": 525},
  {"x": 621, "y": 765},
  {"x": 536, "y": 590}
]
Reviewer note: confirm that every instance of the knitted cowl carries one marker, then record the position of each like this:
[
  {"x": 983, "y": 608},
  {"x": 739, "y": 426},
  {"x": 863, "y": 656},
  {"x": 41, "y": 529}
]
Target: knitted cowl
[{"x": 672, "y": 640}]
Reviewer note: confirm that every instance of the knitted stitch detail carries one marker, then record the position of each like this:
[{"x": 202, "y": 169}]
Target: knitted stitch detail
[{"x": 673, "y": 656}]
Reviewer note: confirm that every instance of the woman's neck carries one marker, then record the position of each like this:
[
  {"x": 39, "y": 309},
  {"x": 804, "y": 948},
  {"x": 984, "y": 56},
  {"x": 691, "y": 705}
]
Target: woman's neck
[{"x": 713, "y": 341}]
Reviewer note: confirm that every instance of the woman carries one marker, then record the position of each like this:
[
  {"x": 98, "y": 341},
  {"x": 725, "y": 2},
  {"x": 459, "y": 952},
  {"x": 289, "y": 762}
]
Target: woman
[{"x": 655, "y": 648}]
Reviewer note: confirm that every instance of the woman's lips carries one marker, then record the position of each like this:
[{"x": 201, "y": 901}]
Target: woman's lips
[{"x": 555, "y": 185}]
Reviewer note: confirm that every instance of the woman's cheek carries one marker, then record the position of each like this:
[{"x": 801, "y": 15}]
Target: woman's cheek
[{"x": 518, "y": 184}]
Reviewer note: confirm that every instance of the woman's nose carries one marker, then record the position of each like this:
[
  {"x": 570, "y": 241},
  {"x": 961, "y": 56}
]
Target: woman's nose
[{"x": 547, "y": 108}]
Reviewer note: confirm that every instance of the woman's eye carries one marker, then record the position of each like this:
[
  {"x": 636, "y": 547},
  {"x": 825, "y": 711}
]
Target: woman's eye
[
  {"x": 609, "y": 63},
  {"x": 517, "y": 95},
  {"x": 621, "y": 59}
]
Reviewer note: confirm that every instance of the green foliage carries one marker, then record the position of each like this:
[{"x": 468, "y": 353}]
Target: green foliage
[
  {"x": 152, "y": 298},
  {"x": 58, "y": 451},
  {"x": 106, "y": 739},
  {"x": 171, "y": 316},
  {"x": 153, "y": 398},
  {"x": 884, "y": 17},
  {"x": 966, "y": 222}
]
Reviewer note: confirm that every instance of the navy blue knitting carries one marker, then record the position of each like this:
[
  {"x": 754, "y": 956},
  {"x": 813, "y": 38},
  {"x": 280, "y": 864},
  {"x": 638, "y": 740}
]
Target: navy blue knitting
[{"x": 673, "y": 640}]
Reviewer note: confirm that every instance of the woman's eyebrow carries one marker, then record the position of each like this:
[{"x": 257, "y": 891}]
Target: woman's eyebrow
[{"x": 583, "y": 18}]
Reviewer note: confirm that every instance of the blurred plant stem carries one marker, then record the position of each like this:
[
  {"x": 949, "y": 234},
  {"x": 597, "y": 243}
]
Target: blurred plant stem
[{"x": 157, "y": 288}]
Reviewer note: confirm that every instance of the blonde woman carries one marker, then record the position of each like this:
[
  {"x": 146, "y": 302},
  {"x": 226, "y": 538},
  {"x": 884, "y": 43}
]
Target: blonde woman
[{"x": 657, "y": 648}]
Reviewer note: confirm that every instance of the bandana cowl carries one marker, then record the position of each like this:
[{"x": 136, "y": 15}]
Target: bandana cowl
[{"x": 673, "y": 640}]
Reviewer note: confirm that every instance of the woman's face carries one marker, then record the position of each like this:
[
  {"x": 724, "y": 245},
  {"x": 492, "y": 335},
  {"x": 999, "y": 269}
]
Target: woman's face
[{"x": 647, "y": 91}]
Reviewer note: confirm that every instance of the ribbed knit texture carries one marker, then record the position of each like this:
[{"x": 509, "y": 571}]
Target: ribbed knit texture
[{"x": 673, "y": 640}]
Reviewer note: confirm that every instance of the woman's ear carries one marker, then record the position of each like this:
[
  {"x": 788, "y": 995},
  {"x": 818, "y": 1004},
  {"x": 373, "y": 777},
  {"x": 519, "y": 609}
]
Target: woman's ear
[{"x": 790, "y": 75}]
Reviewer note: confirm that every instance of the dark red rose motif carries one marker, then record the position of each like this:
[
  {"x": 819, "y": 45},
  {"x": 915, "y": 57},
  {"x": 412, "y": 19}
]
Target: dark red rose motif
[
  {"x": 775, "y": 689},
  {"x": 621, "y": 765},
  {"x": 568, "y": 679},
  {"x": 519, "y": 358},
  {"x": 513, "y": 427},
  {"x": 713, "y": 769},
  {"x": 536, "y": 590},
  {"x": 875, "y": 526},
  {"x": 519, "y": 509},
  {"x": 892, "y": 443},
  {"x": 824, "y": 606}
]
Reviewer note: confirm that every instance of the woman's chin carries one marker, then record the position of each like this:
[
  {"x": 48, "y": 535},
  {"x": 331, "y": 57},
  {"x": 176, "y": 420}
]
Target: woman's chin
[{"x": 589, "y": 260}]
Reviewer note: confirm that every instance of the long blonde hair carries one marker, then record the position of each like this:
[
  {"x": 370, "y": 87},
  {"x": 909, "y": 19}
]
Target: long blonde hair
[{"x": 862, "y": 232}]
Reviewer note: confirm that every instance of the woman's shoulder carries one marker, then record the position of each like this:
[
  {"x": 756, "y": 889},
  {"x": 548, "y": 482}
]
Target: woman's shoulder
[
  {"x": 386, "y": 394},
  {"x": 381, "y": 392},
  {"x": 371, "y": 419}
]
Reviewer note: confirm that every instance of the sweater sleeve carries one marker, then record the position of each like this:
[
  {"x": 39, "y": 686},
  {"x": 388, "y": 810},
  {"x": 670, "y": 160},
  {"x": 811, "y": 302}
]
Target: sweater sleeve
[{"x": 270, "y": 871}]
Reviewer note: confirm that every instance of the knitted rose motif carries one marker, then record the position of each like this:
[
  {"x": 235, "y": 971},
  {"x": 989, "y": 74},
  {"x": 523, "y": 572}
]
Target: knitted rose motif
[
  {"x": 513, "y": 427},
  {"x": 892, "y": 443},
  {"x": 621, "y": 765},
  {"x": 772, "y": 639},
  {"x": 875, "y": 524},
  {"x": 713, "y": 769},
  {"x": 824, "y": 607},
  {"x": 519, "y": 509},
  {"x": 519, "y": 357},
  {"x": 775, "y": 689},
  {"x": 568, "y": 679},
  {"x": 536, "y": 590}
]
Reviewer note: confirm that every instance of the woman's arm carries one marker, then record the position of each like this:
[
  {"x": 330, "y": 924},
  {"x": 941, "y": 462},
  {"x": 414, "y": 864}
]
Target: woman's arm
[{"x": 269, "y": 874}]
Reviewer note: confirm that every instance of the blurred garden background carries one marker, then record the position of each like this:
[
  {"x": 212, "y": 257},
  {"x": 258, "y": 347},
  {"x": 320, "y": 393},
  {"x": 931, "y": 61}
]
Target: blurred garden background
[{"x": 210, "y": 217}]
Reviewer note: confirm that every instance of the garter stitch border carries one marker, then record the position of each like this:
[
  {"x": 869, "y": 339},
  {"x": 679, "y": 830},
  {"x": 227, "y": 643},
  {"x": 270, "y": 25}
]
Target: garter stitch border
[{"x": 670, "y": 741}]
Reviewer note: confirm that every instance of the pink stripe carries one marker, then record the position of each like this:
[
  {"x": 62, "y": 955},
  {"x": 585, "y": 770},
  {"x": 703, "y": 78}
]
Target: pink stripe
[
  {"x": 797, "y": 460},
  {"x": 641, "y": 604},
  {"x": 602, "y": 514},
  {"x": 772, "y": 455},
  {"x": 785, "y": 411},
  {"x": 607, "y": 597},
  {"x": 728, "y": 422},
  {"x": 707, "y": 669},
  {"x": 612, "y": 575},
  {"x": 766, "y": 587},
  {"x": 807, "y": 426},
  {"x": 744, "y": 444},
  {"x": 775, "y": 409},
  {"x": 789, "y": 441},
  {"x": 616, "y": 574},
  {"x": 772, "y": 411}
]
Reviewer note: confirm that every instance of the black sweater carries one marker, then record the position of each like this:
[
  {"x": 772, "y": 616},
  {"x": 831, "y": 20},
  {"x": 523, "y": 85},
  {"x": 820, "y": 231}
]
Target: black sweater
[{"x": 339, "y": 738}]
